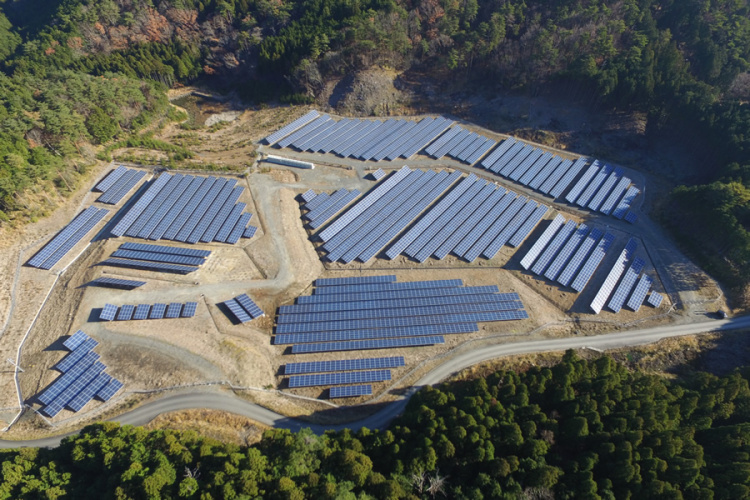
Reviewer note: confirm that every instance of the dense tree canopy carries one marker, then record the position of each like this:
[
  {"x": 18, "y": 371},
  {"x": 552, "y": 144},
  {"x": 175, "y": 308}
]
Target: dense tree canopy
[{"x": 577, "y": 430}]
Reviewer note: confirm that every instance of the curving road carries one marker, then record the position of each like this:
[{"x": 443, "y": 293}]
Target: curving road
[{"x": 226, "y": 402}]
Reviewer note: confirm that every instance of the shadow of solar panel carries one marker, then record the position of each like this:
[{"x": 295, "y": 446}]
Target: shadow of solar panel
[
  {"x": 378, "y": 333},
  {"x": 157, "y": 311},
  {"x": 164, "y": 249},
  {"x": 343, "y": 365},
  {"x": 350, "y": 391},
  {"x": 88, "y": 393},
  {"x": 108, "y": 313},
  {"x": 189, "y": 310},
  {"x": 141, "y": 311},
  {"x": 239, "y": 313},
  {"x": 116, "y": 283},
  {"x": 173, "y": 310},
  {"x": 75, "y": 356},
  {"x": 149, "y": 266},
  {"x": 75, "y": 340},
  {"x": 359, "y": 345},
  {"x": 109, "y": 390},
  {"x": 339, "y": 378},
  {"x": 110, "y": 179}
]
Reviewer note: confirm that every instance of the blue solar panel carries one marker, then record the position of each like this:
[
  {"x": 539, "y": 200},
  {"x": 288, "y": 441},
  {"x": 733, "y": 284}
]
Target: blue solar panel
[
  {"x": 75, "y": 340},
  {"x": 239, "y": 313},
  {"x": 222, "y": 215},
  {"x": 149, "y": 266},
  {"x": 304, "y": 130},
  {"x": 109, "y": 390},
  {"x": 159, "y": 257},
  {"x": 655, "y": 299},
  {"x": 248, "y": 305},
  {"x": 111, "y": 178},
  {"x": 583, "y": 182},
  {"x": 457, "y": 139},
  {"x": 309, "y": 195},
  {"x": 85, "y": 378},
  {"x": 604, "y": 190},
  {"x": 331, "y": 210},
  {"x": 593, "y": 261},
  {"x": 74, "y": 239},
  {"x": 535, "y": 168},
  {"x": 188, "y": 232},
  {"x": 442, "y": 140},
  {"x": 627, "y": 200},
  {"x": 579, "y": 257},
  {"x": 141, "y": 312},
  {"x": 615, "y": 195},
  {"x": 343, "y": 365},
  {"x": 550, "y": 252},
  {"x": 157, "y": 311},
  {"x": 517, "y": 160},
  {"x": 420, "y": 141},
  {"x": 108, "y": 313},
  {"x": 554, "y": 269},
  {"x": 497, "y": 153},
  {"x": 173, "y": 310},
  {"x": 339, "y": 378},
  {"x": 125, "y": 313},
  {"x": 479, "y": 227},
  {"x": 350, "y": 391},
  {"x": 116, "y": 283},
  {"x": 163, "y": 207},
  {"x": 528, "y": 226},
  {"x": 152, "y": 200},
  {"x": 596, "y": 183},
  {"x": 546, "y": 172},
  {"x": 542, "y": 241},
  {"x": 288, "y": 129},
  {"x": 480, "y": 151},
  {"x": 62, "y": 236},
  {"x": 75, "y": 356},
  {"x": 189, "y": 209},
  {"x": 350, "y": 136},
  {"x": 492, "y": 231},
  {"x": 178, "y": 208},
  {"x": 209, "y": 211},
  {"x": 360, "y": 136},
  {"x": 147, "y": 247},
  {"x": 639, "y": 292},
  {"x": 626, "y": 285},
  {"x": 399, "y": 294},
  {"x": 355, "y": 280},
  {"x": 121, "y": 187},
  {"x": 614, "y": 275},
  {"x": 249, "y": 232},
  {"x": 476, "y": 298},
  {"x": 230, "y": 223},
  {"x": 566, "y": 176},
  {"x": 67, "y": 378},
  {"x": 358, "y": 345},
  {"x": 378, "y": 333},
  {"x": 513, "y": 225},
  {"x": 88, "y": 393},
  {"x": 239, "y": 229},
  {"x": 631, "y": 217},
  {"x": 189, "y": 310},
  {"x": 526, "y": 164},
  {"x": 506, "y": 158},
  {"x": 387, "y": 287}
]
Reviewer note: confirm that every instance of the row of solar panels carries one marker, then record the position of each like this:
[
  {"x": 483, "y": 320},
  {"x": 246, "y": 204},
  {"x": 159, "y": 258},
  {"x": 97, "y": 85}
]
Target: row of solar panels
[
  {"x": 122, "y": 284},
  {"x": 157, "y": 258},
  {"x": 189, "y": 209},
  {"x": 324, "y": 206},
  {"x": 243, "y": 308},
  {"x": 472, "y": 218},
  {"x": 67, "y": 238},
  {"x": 352, "y": 313},
  {"x": 326, "y": 376},
  {"x": 82, "y": 378},
  {"x": 173, "y": 310},
  {"x": 605, "y": 189},
  {"x": 460, "y": 144},
  {"x": 117, "y": 184},
  {"x": 363, "y": 139},
  {"x": 625, "y": 270}
]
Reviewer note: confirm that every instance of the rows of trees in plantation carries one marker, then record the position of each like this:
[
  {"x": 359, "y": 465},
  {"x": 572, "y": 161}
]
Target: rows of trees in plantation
[
  {"x": 577, "y": 430},
  {"x": 684, "y": 63}
]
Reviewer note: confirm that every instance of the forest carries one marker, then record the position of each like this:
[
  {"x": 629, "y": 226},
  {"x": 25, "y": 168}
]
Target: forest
[
  {"x": 580, "y": 429},
  {"x": 682, "y": 63}
]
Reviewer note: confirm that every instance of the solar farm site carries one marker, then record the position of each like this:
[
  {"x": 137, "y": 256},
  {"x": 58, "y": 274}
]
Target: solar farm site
[{"x": 305, "y": 288}]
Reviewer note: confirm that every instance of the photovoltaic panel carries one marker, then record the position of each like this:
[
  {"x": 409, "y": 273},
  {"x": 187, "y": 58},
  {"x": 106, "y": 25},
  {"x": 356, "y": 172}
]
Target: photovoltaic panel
[
  {"x": 377, "y": 333},
  {"x": 147, "y": 247},
  {"x": 583, "y": 182},
  {"x": 625, "y": 202},
  {"x": 544, "y": 173},
  {"x": 343, "y": 365},
  {"x": 550, "y": 252},
  {"x": 392, "y": 142},
  {"x": 542, "y": 241},
  {"x": 655, "y": 299},
  {"x": 378, "y": 134},
  {"x": 400, "y": 294},
  {"x": 557, "y": 174},
  {"x": 506, "y": 157},
  {"x": 85, "y": 378},
  {"x": 593, "y": 261},
  {"x": 79, "y": 353},
  {"x": 173, "y": 310},
  {"x": 493, "y": 231},
  {"x": 517, "y": 160},
  {"x": 480, "y": 151},
  {"x": 108, "y": 313},
  {"x": 249, "y": 232},
  {"x": 359, "y": 345},
  {"x": 313, "y": 135},
  {"x": 74, "y": 239},
  {"x": 308, "y": 195},
  {"x": 513, "y": 225},
  {"x": 355, "y": 280},
  {"x": 567, "y": 177},
  {"x": 352, "y": 135},
  {"x": 317, "y": 201},
  {"x": 339, "y": 378},
  {"x": 116, "y": 283},
  {"x": 631, "y": 217},
  {"x": 121, "y": 187},
  {"x": 520, "y": 235},
  {"x": 615, "y": 195},
  {"x": 614, "y": 275},
  {"x": 604, "y": 190},
  {"x": 639, "y": 292},
  {"x": 163, "y": 207},
  {"x": 67, "y": 378},
  {"x": 125, "y": 313},
  {"x": 189, "y": 310},
  {"x": 346, "y": 128},
  {"x": 88, "y": 393},
  {"x": 323, "y": 217},
  {"x": 450, "y": 144},
  {"x": 109, "y": 390},
  {"x": 238, "y": 311},
  {"x": 239, "y": 229},
  {"x": 180, "y": 222},
  {"x": 378, "y": 174},
  {"x": 526, "y": 164},
  {"x": 111, "y": 178},
  {"x": 177, "y": 209},
  {"x": 535, "y": 168},
  {"x": 483, "y": 223},
  {"x": 387, "y": 287},
  {"x": 442, "y": 140},
  {"x": 498, "y": 152},
  {"x": 232, "y": 219},
  {"x": 420, "y": 141},
  {"x": 626, "y": 285},
  {"x": 467, "y": 148},
  {"x": 579, "y": 257},
  {"x": 189, "y": 232},
  {"x": 213, "y": 226},
  {"x": 62, "y": 236},
  {"x": 594, "y": 186},
  {"x": 556, "y": 267},
  {"x": 157, "y": 311},
  {"x": 159, "y": 257},
  {"x": 288, "y": 129},
  {"x": 477, "y": 298},
  {"x": 154, "y": 197},
  {"x": 141, "y": 311},
  {"x": 75, "y": 340},
  {"x": 350, "y": 391},
  {"x": 325, "y": 326},
  {"x": 359, "y": 137},
  {"x": 320, "y": 135},
  {"x": 249, "y": 305},
  {"x": 149, "y": 266},
  {"x": 303, "y": 131}
]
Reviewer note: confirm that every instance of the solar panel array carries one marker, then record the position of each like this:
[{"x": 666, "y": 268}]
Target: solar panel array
[
  {"x": 604, "y": 189},
  {"x": 614, "y": 275},
  {"x": 67, "y": 238},
  {"x": 116, "y": 283},
  {"x": 122, "y": 184},
  {"x": 350, "y": 391},
  {"x": 461, "y": 144},
  {"x": 373, "y": 140},
  {"x": 378, "y": 174},
  {"x": 343, "y": 365},
  {"x": 655, "y": 299},
  {"x": 82, "y": 378},
  {"x": 244, "y": 308},
  {"x": 110, "y": 179},
  {"x": 472, "y": 217},
  {"x": 111, "y": 312},
  {"x": 324, "y": 206},
  {"x": 187, "y": 208},
  {"x": 158, "y": 258}
]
